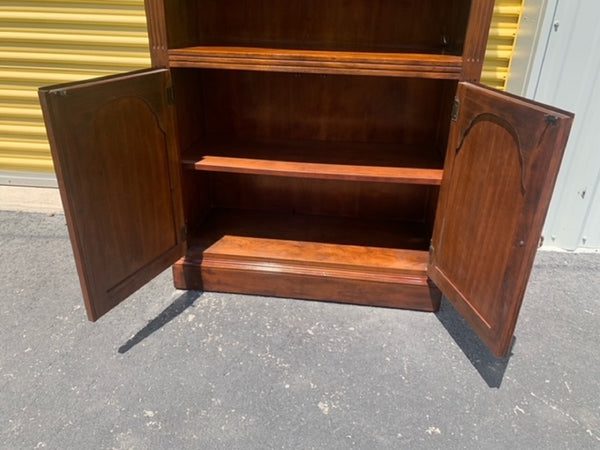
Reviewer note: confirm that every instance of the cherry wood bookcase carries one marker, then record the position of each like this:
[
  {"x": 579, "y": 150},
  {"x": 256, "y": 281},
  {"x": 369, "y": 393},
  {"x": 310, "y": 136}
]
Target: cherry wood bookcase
[{"x": 335, "y": 150}]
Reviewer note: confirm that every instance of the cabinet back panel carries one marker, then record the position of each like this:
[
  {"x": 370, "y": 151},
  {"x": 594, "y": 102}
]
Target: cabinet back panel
[
  {"x": 320, "y": 197},
  {"x": 425, "y": 26},
  {"x": 283, "y": 106},
  {"x": 189, "y": 98},
  {"x": 196, "y": 201}
]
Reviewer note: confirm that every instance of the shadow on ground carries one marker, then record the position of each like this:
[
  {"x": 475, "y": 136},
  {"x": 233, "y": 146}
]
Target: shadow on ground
[
  {"x": 489, "y": 367},
  {"x": 179, "y": 305}
]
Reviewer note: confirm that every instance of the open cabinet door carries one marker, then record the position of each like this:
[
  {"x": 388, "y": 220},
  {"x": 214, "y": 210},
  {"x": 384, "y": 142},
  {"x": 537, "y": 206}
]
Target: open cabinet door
[
  {"x": 115, "y": 157},
  {"x": 502, "y": 161}
]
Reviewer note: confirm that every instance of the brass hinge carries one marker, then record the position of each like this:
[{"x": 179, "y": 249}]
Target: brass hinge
[
  {"x": 170, "y": 96},
  {"x": 455, "y": 110}
]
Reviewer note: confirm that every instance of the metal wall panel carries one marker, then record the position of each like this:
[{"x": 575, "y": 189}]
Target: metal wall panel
[
  {"x": 51, "y": 41},
  {"x": 567, "y": 74}
]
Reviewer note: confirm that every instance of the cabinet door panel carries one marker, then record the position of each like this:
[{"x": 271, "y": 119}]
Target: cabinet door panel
[
  {"x": 116, "y": 164},
  {"x": 502, "y": 161}
]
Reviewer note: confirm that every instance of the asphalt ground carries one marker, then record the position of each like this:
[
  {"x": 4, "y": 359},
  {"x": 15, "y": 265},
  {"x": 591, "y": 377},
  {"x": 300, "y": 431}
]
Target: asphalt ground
[{"x": 169, "y": 369}]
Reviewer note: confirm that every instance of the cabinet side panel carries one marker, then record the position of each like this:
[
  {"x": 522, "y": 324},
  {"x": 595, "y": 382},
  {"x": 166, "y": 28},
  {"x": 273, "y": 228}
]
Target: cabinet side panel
[
  {"x": 476, "y": 38},
  {"x": 157, "y": 32}
]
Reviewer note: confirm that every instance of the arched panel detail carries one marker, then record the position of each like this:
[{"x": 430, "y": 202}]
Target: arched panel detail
[{"x": 502, "y": 122}]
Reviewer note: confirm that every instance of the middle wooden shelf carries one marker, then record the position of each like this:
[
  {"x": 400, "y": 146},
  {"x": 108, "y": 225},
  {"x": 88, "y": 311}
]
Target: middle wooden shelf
[
  {"x": 421, "y": 65},
  {"x": 390, "y": 163}
]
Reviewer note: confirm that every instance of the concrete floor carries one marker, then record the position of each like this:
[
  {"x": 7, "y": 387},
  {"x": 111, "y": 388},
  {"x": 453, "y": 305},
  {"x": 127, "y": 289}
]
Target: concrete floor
[{"x": 190, "y": 370}]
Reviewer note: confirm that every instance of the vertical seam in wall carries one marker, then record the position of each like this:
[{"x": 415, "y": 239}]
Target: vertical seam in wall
[{"x": 546, "y": 45}]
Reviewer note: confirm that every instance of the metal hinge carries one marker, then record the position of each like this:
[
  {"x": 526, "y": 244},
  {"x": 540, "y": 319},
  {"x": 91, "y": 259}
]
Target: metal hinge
[
  {"x": 170, "y": 96},
  {"x": 455, "y": 110}
]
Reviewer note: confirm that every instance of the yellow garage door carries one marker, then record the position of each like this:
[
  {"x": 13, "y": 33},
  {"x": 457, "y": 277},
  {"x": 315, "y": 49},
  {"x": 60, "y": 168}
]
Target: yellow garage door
[
  {"x": 50, "y": 41},
  {"x": 501, "y": 43}
]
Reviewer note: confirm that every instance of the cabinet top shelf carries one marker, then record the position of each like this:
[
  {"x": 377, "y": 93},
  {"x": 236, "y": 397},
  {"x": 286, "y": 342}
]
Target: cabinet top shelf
[{"x": 318, "y": 61}]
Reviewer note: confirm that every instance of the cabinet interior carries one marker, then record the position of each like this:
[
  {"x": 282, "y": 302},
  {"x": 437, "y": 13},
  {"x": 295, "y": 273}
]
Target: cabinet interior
[
  {"x": 312, "y": 138},
  {"x": 342, "y": 159},
  {"x": 415, "y": 26}
]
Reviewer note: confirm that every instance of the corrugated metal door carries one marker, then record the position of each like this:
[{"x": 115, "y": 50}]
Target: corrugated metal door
[
  {"x": 501, "y": 43},
  {"x": 50, "y": 41}
]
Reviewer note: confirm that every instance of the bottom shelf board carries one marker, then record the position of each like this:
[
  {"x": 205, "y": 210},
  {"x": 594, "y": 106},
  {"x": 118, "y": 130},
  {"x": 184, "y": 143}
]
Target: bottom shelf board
[{"x": 222, "y": 260}]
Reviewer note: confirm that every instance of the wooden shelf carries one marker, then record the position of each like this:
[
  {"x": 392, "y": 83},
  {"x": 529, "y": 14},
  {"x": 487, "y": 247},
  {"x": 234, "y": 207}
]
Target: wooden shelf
[
  {"x": 319, "y": 61},
  {"x": 335, "y": 161},
  {"x": 339, "y": 259}
]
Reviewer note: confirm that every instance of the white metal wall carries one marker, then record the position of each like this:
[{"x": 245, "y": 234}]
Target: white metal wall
[{"x": 565, "y": 72}]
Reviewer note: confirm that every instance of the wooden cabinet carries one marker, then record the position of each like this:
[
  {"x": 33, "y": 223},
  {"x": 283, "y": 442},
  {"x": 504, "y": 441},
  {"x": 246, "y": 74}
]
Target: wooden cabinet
[{"x": 334, "y": 150}]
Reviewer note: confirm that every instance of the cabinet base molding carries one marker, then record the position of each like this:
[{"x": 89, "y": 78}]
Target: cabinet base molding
[{"x": 313, "y": 271}]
